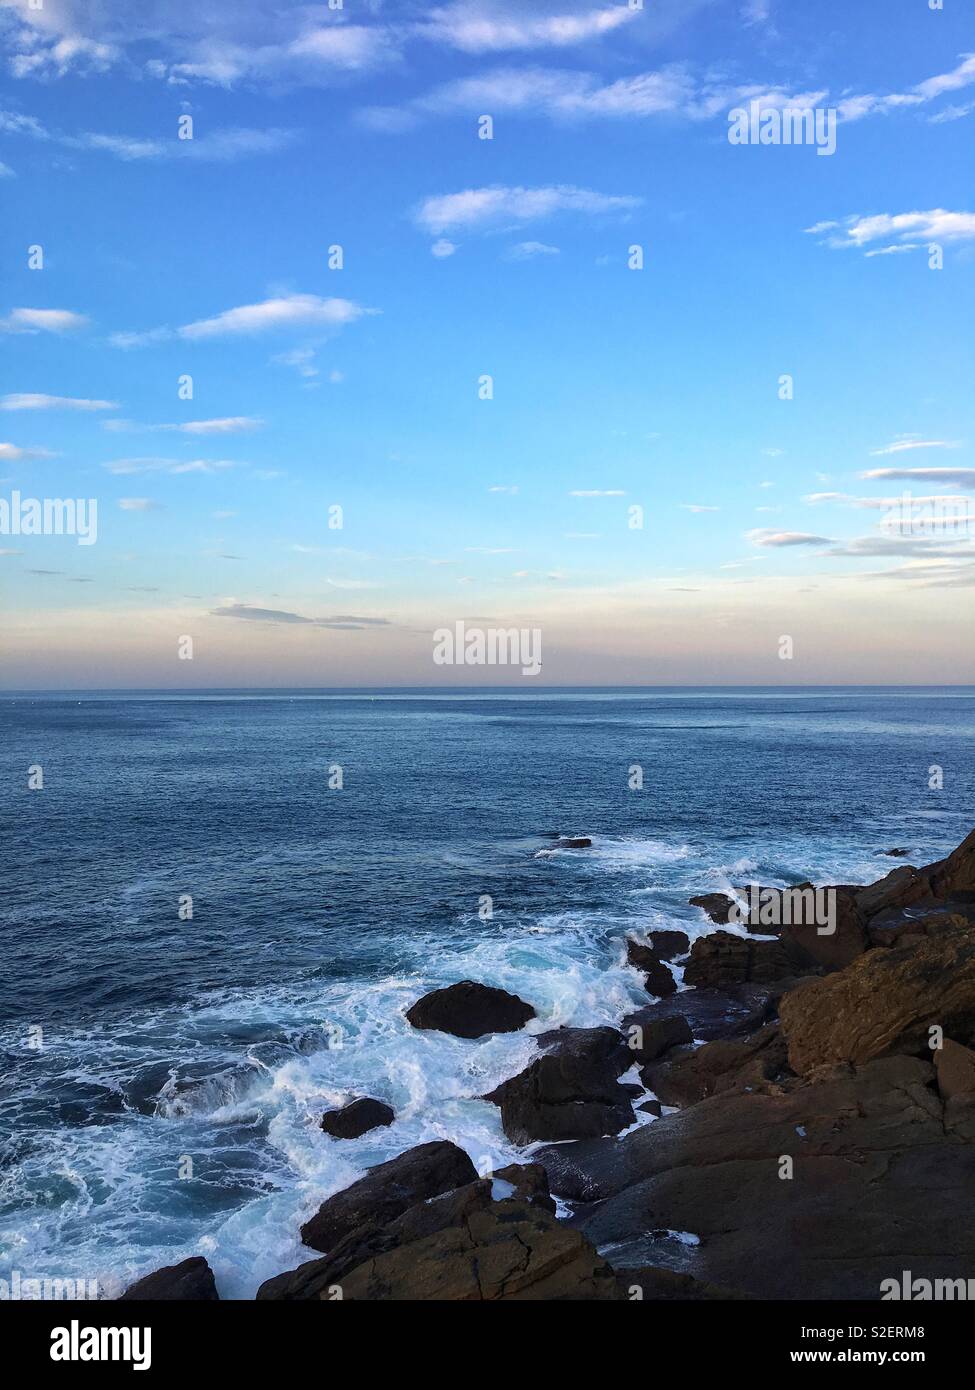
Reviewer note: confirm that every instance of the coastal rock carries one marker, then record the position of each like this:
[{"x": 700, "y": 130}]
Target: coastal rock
[
  {"x": 717, "y": 906},
  {"x": 388, "y": 1190},
  {"x": 954, "y": 1066},
  {"x": 884, "y": 1002},
  {"x": 688, "y": 1075},
  {"x": 190, "y": 1281},
  {"x": 356, "y": 1118},
  {"x": 733, "y": 1012},
  {"x": 900, "y": 888},
  {"x": 469, "y": 1010},
  {"x": 669, "y": 944},
  {"x": 878, "y": 1186},
  {"x": 667, "y": 1286},
  {"x": 529, "y": 1183},
  {"x": 574, "y": 842},
  {"x": 463, "y": 1247},
  {"x": 889, "y": 928},
  {"x": 807, "y": 948},
  {"x": 657, "y": 978},
  {"x": 724, "y": 959},
  {"x": 651, "y": 1037},
  {"x": 570, "y": 1092}
]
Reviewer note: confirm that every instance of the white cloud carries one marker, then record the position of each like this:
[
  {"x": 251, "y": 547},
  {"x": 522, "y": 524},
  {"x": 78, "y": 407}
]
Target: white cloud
[
  {"x": 906, "y": 228},
  {"x": 597, "y": 492},
  {"x": 486, "y": 207},
  {"x": 763, "y": 536},
  {"x": 443, "y": 248},
  {"x": 696, "y": 507},
  {"x": 530, "y": 250},
  {"x": 42, "y": 321},
  {"x": 476, "y": 29},
  {"x": 138, "y": 504},
  {"x": 230, "y": 424},
  {"x": 11, "y": 453},
  {"x": 34, "y": 401},
  {"x": 957, "y": 477},
  {"x": 288, "y": 311},
  {"x": 126, "y": 467},
  {"x": 900, "y": 446}
]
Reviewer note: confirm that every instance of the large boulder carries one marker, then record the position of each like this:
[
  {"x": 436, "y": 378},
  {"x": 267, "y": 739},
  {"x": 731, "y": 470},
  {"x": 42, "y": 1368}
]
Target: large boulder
[
  {"x": 717, "y": 906},
  {"x": 571, "y": 1092},
  {"x": 388, "y": 1190},
  {"x": 466, "y": 1246},
  {"x": 810, "y": 948},
  {"x": 722, "y": 959},
  {"x": 885, "y": 1002},
  {"x": 951, "y": 879},
  {"x": 652, "y": 1036},
  {"x": 955, "y": 1069},
  {"x": 189, "y": 1281},
  {"x": 356, "y": 1118},
  {"x": 668, "y": 944},
  {"x": 469, "y": 1010}
]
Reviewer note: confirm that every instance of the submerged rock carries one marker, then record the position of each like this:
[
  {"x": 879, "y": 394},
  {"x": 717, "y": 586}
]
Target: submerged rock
[
  {"x": 469, "y": 1010},
  {"x": 356, "y": 1118},
  {"x": 388, "y": 1190},
  {"x": 574, "y": 842},
  {"x": 190, "y": 1281}
]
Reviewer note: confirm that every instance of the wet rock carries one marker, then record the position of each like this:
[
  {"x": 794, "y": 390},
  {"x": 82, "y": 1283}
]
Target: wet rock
[
  {"x": 652, "y": 1036},
  {"x": 574, "y": 842},
  {"x": 883, "y": 1003},
  {"x": 651, "y": 1107},
  {"x": 891, "y": 927},
  {"x": 717, "y": 906},
  {"x": 688, "y": 1075},
  {"x": 724, "y": 959},
  {"x": 388, "y": 1190},
  {"x": 894, "y": 853},
  {"x": 657, "y": 978},
  {"x": 190, "y": 1280},
  {"x": 668, "y": 944},
  {"x": 668, "y": 1286},
  {"x": 529, "y": 1183},
  {"x": 571, "y": 1092},
  {"x": 809, "y": 948},
  {"x": 356, "y": 1118},
  {"x": 469, "y": 1010},
  {"x": 462, "y": 1247}
]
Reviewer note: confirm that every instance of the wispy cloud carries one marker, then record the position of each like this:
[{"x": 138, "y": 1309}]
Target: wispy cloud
[
  {"x": 125, "y": 467},
  {"x": 478, "y": 29},
  {"x": 958, "y": 477},
  {"x": 764, "y": 537},
  {"x": 139, "y": 504},
  {"x": 250, "y": 613},
  {"x": 900, "y": 446},
  {"x": 35, "y": 401},
  {"x": 490, "y": 207},
  {"x": 268, "y": 315},
  {"x": 42, "y": 321},
  {"x": 13, "y": 453},
  {"x": 907, "y": 228}
]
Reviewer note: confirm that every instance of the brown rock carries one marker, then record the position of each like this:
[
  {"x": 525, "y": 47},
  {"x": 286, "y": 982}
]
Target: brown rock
[
  {"x": 883, "y": 1003},
  {"x": 657, "y": 978},
  {"x": 530, "y": 1183},
  {"x": 716, "y": 905},
  {"x": 652, "y": 1036},
  {"x": 571, "y": 1091},
  {"x": 688, "y": 1075},
  {"x": 724, "y": 959},
  {"x": 356, "y": 1118},
  {"x": 954, "y": 1066},
  {"x": 667, "y": 945},
  {"x": 463, "y": 1247}
]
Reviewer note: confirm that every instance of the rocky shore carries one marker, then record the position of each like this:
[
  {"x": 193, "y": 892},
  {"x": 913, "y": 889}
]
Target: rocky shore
[{"x": 790, "y": 1116}]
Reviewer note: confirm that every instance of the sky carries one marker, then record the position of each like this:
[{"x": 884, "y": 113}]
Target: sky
[{"x": 338, "y": 371}]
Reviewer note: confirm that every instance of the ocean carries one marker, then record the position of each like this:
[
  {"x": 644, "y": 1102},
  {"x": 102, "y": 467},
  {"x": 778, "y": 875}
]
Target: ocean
[{"x": 163, "y": 1074}]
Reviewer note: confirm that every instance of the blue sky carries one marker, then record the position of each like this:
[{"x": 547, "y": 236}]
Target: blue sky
[{"x": 358, "y": 387}]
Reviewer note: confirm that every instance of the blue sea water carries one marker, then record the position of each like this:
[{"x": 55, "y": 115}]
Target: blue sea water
[{"x": 173, "y": 1105}]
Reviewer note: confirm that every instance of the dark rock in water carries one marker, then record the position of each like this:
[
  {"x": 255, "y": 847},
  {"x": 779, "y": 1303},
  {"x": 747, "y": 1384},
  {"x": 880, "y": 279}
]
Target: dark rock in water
[
  {"x": 733, "y": 1012},
  {"x": 469, "y": 1010},
  {"x": 667, "y": 1286},
  {"x": 723, "y": 959},
  {"x": 657, "y": 977},
  {"x": 716, "y": 905},
  {"x": 530, "y": 1183},
  {"x": 651, "y": 1037},
  {"x": 878, "y": 1186},
  {"x": 190, "y": 1280},
  {"x": 955, "y": 1069},
  {"x": 571, "y": 1091},
  {"x": 651, "y": 1107},
  {"x": 388, "y": 1190},
  {"x": 574, "y": 842},
  {"x": 689, "y": 1075},
  {"x": 358, "y": 1117},
  {"x": 883, "y": 1003},
  {"x": 667, "y": 945},
  {"x": 894, "y": 853},
  {"x": 952, "y": 878},
  {"x": 462, "y": 1247}
]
